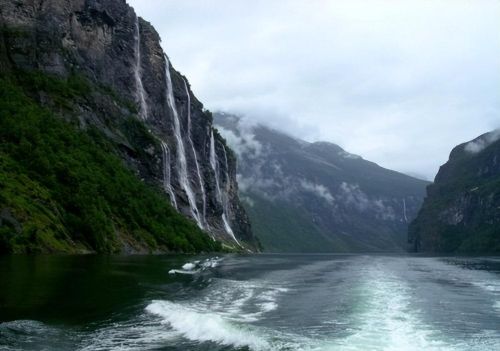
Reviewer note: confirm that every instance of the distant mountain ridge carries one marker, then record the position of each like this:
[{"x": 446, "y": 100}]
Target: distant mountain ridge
[
  {"x": 317, "y": 197},
  {"x": 462, "y": 210}
]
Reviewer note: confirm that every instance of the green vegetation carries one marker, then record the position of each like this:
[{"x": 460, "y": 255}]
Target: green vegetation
[
  {"x": 66, "y": 190},
  {"x": 467, "y": 188},
  {"x": 288, "y": 229}
]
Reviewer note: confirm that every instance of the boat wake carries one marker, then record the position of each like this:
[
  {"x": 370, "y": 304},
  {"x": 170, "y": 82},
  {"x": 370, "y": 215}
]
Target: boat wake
[{"x": 380, "y": 304}]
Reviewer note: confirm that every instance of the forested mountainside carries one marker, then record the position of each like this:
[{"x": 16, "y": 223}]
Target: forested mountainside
[
  {"x": 462, "y": 210},
  {"x": 316, "y": 197},
  {"x": 103, "y": 144}
]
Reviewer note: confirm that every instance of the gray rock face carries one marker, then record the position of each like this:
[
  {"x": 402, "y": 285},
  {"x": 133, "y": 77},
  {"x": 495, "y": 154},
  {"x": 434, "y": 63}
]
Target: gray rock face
[
  {"x": 462, "y": 210},
  {"x": 106, "y": 42},
  {"x": 317, "y": 197}
]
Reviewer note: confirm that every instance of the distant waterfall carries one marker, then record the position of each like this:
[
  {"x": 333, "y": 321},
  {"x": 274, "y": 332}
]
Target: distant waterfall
[
  {"x": 213, "y": 163},
  {"x": 181, "y": 152},
  {"x": 190, "y": 141},
  {"x": 220, "y": 197},
  {"x": 143, "y": 108},
  {"x": 167, "y": 181},
  {"x": 225, "y": 200},
  {"x": 404, "y": 211}
]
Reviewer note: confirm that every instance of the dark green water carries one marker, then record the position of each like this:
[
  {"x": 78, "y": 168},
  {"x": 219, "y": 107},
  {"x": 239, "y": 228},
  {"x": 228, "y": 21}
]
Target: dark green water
[{"x": 256, "y": 302}]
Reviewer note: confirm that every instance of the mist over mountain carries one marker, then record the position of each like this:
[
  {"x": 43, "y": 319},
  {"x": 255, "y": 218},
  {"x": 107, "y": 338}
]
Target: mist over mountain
[{"x": 317, "y": 197}]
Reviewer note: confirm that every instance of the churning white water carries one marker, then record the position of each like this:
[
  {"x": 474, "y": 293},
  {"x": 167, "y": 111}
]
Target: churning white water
[
  {"x": 181, "y": 152},
  {"x": 283, "y": 303},
  {"x": 369, "y": 305}
]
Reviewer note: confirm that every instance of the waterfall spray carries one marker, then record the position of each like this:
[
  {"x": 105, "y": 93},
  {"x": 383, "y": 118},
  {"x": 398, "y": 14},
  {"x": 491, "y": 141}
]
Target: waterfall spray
[
  {"x": 190, "y": 141},
  {"x": 404, "y": 211},
  {"x": 220, "y": 197},
  {"x": 140, "y": 93},
  {"x": 181, "y": 152},
  {"x": 167, "y": 182}
]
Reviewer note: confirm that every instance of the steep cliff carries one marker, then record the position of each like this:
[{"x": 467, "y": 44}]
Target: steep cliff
[
  {"x": 137, "y": 100},
  {"x": 316, "y": 197},
  {"x": 462, "y": 210}
]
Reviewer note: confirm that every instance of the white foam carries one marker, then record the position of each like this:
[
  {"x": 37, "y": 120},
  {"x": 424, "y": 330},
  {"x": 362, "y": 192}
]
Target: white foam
[
  {"x": 489, "y": 286},
  {"x": 268, "y": 299},
  {"x": 204, "y": 327},
  {"x": 189, "y": 266},
  {"x": 197, "y": 266},
  {"x": 180, "y": 271},
  {"x": 133, "y": 335},
  {"x": 387, "y": 321}
]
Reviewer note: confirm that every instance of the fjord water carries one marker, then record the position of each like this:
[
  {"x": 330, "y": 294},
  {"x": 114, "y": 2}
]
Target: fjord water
[{"x": 255, "y": 302}]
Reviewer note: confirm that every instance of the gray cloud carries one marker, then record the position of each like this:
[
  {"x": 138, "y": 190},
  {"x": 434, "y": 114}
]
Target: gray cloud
[
  {"x": 483, "y": 142},
  {"x": 243, "y": 143},
  {"x": 397, "y": 82},
  {"x": 318, "y": 190},
  {"x": 352, "y": 195}
]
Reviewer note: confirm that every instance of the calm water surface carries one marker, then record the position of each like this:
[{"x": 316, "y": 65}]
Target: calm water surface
[{"x": 261, "y": 302}]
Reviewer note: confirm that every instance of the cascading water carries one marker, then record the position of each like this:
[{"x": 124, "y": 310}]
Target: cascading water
[
  {"x": 143, "y": 113},
  {"x": 213, "y": 163},
  {"x": 404, "y": 211},
  {"x": 141, "y": 96},
  {"x": 225, "y": 200},
  {"x": 167, "y": 182},
  {"x": 181, "y": 152},
  {"x": 190, "y": 141},
  {"x": 222, "y": 199}
]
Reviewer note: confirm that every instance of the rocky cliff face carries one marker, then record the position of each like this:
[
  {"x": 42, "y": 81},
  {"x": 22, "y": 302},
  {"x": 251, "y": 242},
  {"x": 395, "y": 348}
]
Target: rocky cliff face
[
  {"x": 462, "y": 210},
  {"x": 317, "y": 197},
  {"x": 105, "y": 41}
]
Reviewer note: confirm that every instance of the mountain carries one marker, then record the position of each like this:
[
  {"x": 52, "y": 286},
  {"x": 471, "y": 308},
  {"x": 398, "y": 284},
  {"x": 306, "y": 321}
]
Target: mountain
[
  {"x": 316, "y": 197},
  {"x": 462, "y": 210},
  {"x": 103, "y": 141}
]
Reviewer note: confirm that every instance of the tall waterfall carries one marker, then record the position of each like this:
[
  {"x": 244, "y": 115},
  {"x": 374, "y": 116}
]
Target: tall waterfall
[
  {"x": 143, "y": 108},
  {"x": 213, "y": 163},
  {"x": 225, "y": 200},
  {"x": 220, "y": 197},
  {"x": 181, "y": 152},
  {"x": 167, "y": 181},
  {"x": 190, "y": 141},
  {"x": 404, "y": 211}
]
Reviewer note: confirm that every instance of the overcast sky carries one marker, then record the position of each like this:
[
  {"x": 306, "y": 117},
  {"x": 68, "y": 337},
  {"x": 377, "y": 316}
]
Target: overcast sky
[{"x": 397, "y": 82}]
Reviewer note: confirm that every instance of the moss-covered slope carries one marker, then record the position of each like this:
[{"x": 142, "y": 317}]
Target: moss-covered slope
[{"x": 64, "y": 188}]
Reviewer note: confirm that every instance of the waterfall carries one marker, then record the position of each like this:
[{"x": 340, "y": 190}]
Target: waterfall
[
  {"x": 167, "y": 182},
  {"x": 225, "y": 200},
  {"x": 404, "y": 211},
  {"x": 213, "y": 163},
  {"x": 221, "y": 198},
  {"x": 190, "y": 141},
  {"x": 143, "y": 108},
  {"x": 181, "y": 152}
]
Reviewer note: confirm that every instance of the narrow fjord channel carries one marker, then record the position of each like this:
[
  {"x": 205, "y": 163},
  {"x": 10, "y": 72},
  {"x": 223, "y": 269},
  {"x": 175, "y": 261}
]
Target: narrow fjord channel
[{"x": 254, "y": 302}]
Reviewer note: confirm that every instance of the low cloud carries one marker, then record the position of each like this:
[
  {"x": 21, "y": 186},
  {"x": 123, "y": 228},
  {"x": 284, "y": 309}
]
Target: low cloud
[
  {"x": 352, "y": 195},
  {"x": 243, "y": 142},
  {"x": 483, "y": 142},
  {"x": 398, "y": 82},
  {"x": 318, "y": 190}
]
